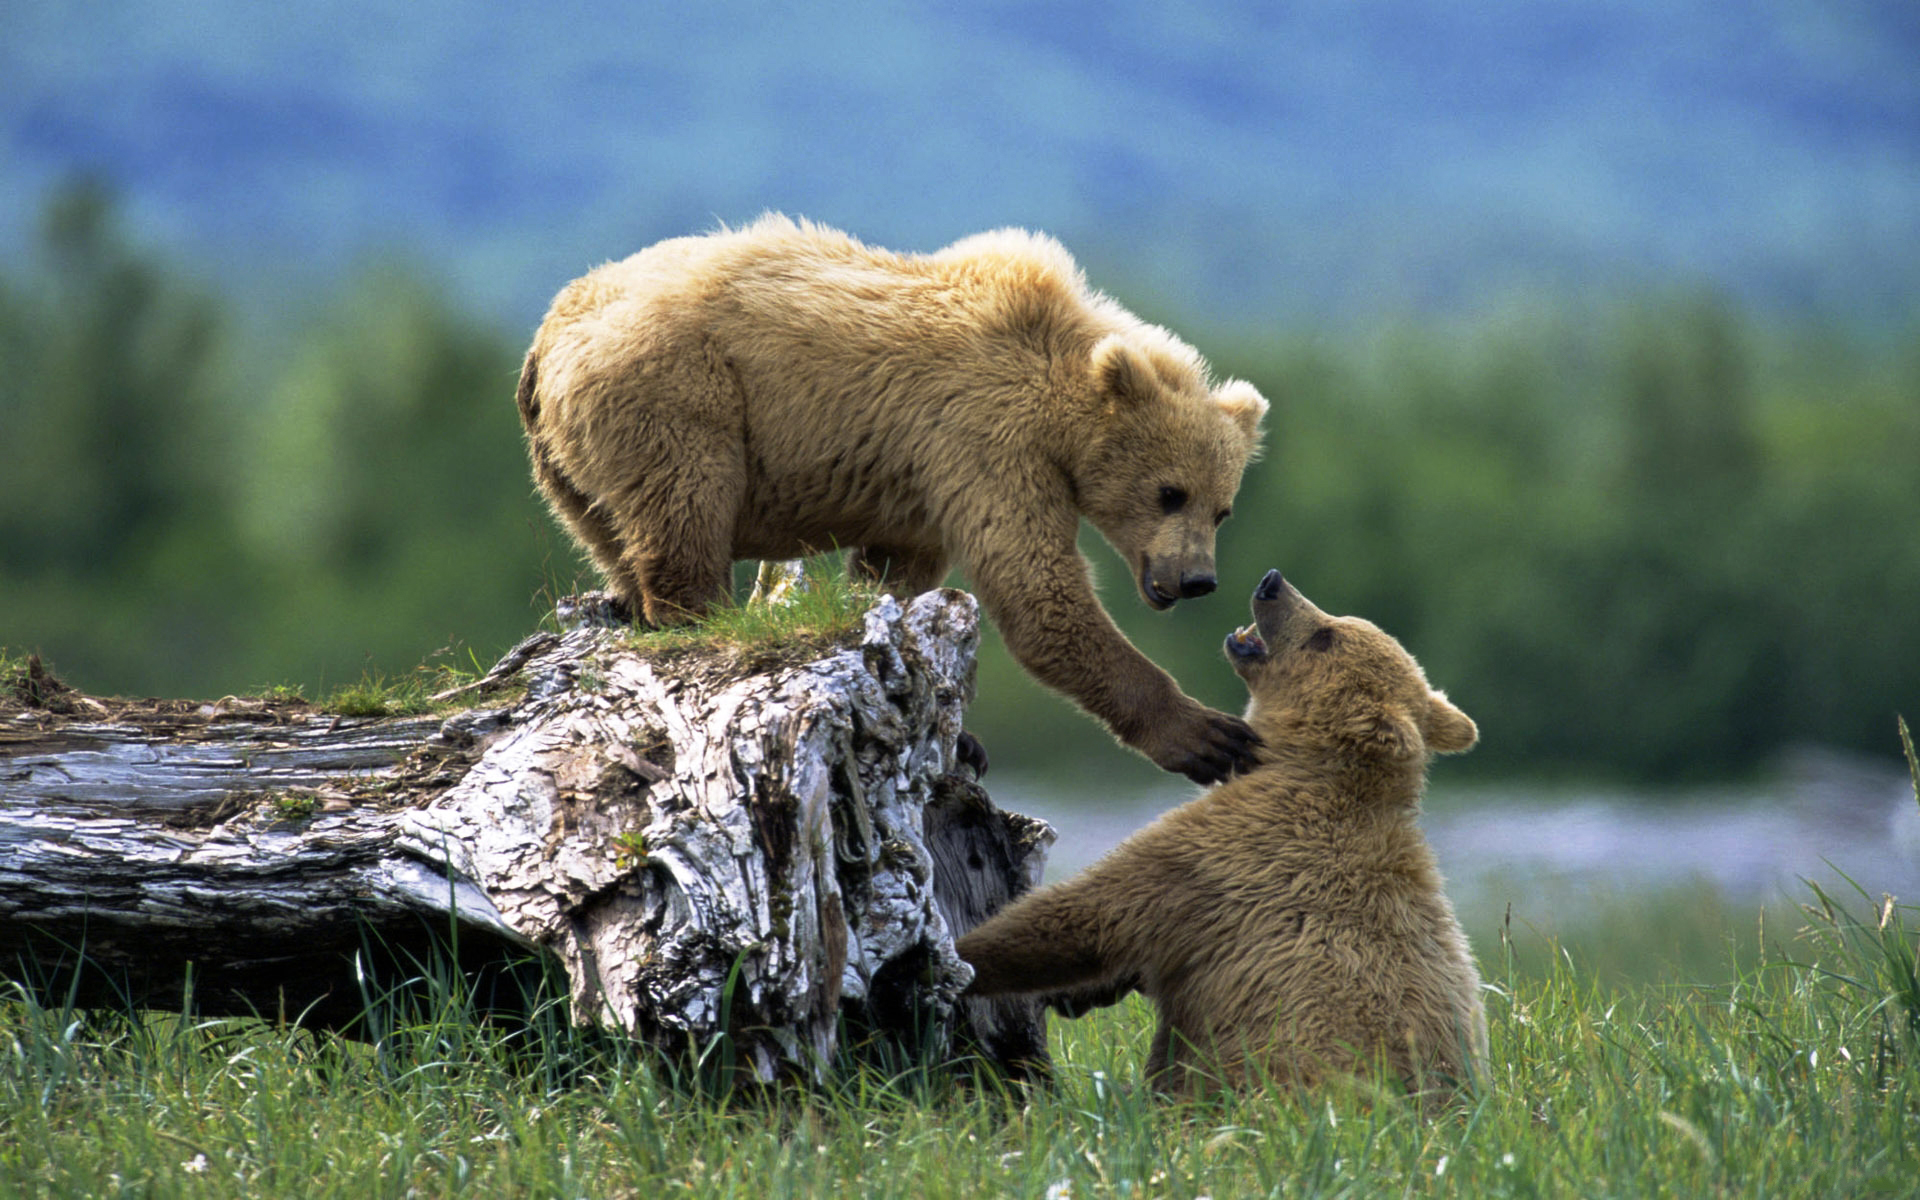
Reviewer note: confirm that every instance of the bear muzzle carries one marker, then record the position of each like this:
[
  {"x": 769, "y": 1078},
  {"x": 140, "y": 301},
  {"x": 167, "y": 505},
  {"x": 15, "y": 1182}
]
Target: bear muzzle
[
  {"x": 1275, "y": 603},
  {"x": 1271, "y": 585},
  {"x": 1191, "y": 583},
  {"x": 1196, "y": 583}
]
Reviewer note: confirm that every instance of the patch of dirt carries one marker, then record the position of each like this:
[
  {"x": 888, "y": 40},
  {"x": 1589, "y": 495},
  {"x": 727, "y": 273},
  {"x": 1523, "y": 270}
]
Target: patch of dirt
[
  {"x": 33, "y": 686},
  {"x": 42, "y": 714},
  {"x": 35, "y": 702}
]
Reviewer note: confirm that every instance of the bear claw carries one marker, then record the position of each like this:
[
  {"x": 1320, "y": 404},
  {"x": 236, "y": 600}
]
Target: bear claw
[{"x": 1229, "y": 750}]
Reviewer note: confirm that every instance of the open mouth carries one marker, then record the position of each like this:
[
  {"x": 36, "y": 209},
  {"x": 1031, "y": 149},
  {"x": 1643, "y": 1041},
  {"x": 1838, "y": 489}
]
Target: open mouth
[
  {"x": 1156, "y": 599},
  {"x": 1246, "y": 643}
]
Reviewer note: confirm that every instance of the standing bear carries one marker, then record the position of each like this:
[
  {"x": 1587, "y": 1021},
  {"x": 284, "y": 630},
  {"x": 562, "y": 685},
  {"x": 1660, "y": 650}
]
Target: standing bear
[
  {"x": 1288, "y": 924},
  {"x": 780, "y": 390}
]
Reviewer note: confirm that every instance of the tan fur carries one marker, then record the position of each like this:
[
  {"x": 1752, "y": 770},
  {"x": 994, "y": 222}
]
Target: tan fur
[
  {"x": 1289, "y": 924},
  {"x": 781, "y": 389}
]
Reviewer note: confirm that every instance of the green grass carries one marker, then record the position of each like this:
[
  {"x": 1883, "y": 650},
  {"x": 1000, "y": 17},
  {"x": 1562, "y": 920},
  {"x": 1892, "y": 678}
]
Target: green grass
[
  {"x": 1620, "y": 940},
  {"x": 829, "y": 607},
  {"x": 1780, "y": 1063},
  {"x": 378, "y": 695},
  {"x": 1797, "y": 1076}
]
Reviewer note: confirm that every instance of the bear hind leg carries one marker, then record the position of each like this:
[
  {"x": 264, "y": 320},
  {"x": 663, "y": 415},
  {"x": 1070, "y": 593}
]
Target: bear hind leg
[
  {"x": 587, "y": 524},
  {"x": 681, "y": 565},
  {"x": 674, "y": 526},
  {"x": 906, "y": 573}
]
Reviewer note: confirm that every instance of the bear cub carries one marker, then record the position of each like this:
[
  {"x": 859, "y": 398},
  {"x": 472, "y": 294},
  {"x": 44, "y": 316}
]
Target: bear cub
[
  {"x": 783, "y": 389},
  {"x": 1288, "y": 924}
]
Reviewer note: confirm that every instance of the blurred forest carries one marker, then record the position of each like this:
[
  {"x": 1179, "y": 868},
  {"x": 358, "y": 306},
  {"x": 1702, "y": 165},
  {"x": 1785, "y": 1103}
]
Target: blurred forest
[{"x": 1652, "y": 538}]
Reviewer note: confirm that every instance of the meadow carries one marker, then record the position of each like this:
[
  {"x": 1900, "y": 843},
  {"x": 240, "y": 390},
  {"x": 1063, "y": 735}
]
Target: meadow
[
  {"x": 1781, "y": 1064},
  {"x": 1667, "y": 499},
  {"x": 1655, "y": 1047}
]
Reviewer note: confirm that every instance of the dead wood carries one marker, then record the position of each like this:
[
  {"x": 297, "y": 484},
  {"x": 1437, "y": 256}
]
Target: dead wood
[{"x": 774, "y": 855}]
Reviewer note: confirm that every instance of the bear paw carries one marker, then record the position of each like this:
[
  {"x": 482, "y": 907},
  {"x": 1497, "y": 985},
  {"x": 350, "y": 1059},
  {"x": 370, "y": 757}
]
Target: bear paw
[{"x": 1205, "y": 745}]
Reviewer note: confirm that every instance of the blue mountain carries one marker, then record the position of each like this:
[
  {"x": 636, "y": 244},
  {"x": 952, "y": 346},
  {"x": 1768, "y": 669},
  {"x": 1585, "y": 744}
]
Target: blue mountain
[{"x": 1248, "y": 165}]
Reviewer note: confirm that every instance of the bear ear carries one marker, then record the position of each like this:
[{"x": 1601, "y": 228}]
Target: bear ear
[
  {"x": 1124, "y": 375},
  {"x": 1242, "y": 402},
  {"x": 1390, "y": 732},
  {"x": 1449, "y": 731}
]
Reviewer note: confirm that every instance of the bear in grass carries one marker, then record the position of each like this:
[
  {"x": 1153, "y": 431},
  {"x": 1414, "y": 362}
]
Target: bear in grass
[
  {"x": 781, "y": 390},
  {"x": 1288, "y": 925}
]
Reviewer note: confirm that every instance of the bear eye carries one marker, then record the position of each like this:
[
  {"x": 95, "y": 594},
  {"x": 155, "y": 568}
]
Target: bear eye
[
  {"x": 1220, "y": 517},
  {"x": 1320, "y": 640},
  {"x": 1172, "y": 499}
]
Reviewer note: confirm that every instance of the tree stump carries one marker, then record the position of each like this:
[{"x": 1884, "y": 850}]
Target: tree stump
[{"x": 766, "y": 848}]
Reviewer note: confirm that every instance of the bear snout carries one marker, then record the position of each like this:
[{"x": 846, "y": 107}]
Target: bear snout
[
  {"x": 1277, "y": 605},
  {"x": 1158, "y": 598},
  {"x": 1166, "y": 586}
]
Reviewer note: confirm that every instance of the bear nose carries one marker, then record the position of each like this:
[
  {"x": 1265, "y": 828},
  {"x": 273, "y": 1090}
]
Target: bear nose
[{"x": 1198, "y": 583}]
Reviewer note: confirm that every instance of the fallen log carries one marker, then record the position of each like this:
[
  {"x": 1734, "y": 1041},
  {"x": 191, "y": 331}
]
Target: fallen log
[{"x": 771, "y": 848}]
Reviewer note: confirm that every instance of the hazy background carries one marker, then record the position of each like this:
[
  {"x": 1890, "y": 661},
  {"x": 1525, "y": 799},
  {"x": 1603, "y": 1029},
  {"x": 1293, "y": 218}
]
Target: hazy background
[{"x": 1589, "y": 326}]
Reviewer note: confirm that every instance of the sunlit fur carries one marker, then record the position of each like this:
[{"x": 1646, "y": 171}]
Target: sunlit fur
[
  {"x": 1290, "y": 923},
  {"x": 781, "y": 389}
]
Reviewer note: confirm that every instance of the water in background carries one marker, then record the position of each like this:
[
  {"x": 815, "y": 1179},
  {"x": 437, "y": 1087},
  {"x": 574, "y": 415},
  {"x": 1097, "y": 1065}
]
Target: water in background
[{"x": 1540, "y": 850}]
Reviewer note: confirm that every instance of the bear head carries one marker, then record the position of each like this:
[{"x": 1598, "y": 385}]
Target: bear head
[
  {"x": 1338, "y": 684},
  {"x": 1159, "y": 471}
]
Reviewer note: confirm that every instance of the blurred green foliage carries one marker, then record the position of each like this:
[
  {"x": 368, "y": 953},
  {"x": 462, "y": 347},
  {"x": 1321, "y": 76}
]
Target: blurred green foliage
[
  {"x": 178, "y": 517},
  {"x": 1649, "y": 540},
  {"x": 1661, "y": 540},
  {"x": 1656, "y": 539}
]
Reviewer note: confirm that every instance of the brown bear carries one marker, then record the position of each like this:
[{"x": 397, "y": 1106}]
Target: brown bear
[
  {"x": 1288, "y": 924},
  {"x": 782, "y": 389}
]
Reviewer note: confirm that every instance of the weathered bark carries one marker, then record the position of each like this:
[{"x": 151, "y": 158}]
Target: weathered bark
[{"x": 704, "y": 847}]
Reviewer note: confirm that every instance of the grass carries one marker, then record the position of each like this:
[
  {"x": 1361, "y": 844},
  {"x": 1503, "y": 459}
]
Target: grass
[
  {"x": 827, "y": 607},
  {"x": 376, "y": 694},
  {"x": 1800, "y": 1075},
  {"x": 1616, "y": 940},
  {"x": 1796, "y": 1072}
]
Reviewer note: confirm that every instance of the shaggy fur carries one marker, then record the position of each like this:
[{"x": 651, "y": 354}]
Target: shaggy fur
[
  {"x": 1289, "y": 923},
  {"x": 781, "y": 389}
]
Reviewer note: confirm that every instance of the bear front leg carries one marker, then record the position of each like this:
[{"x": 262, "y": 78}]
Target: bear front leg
[
  {"x": 1052, "y": 622},
  {"x": 1047, "y": 941}
]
